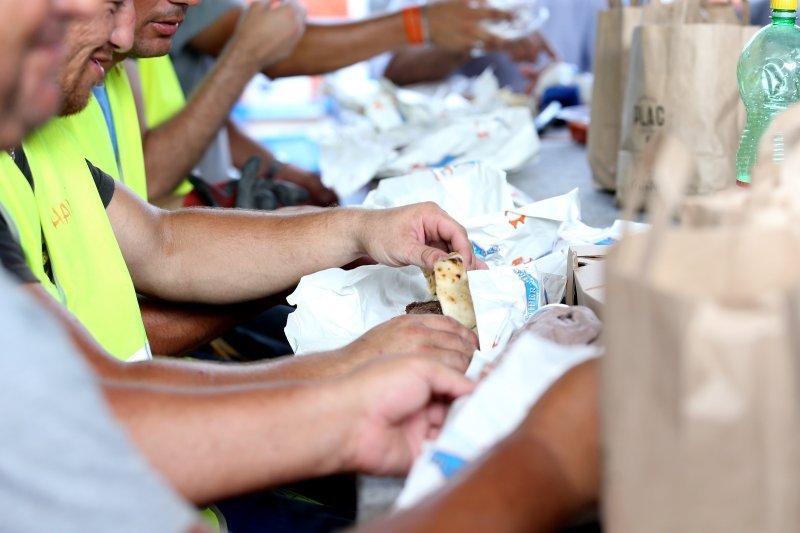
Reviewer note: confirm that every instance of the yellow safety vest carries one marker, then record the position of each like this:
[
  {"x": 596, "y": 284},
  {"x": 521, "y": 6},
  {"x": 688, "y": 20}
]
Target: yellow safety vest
[
  {"x": 87, "y": 264},
  {"x": 163, "y": 97},
  {"x": 90, "y": 128},
  {"x": 18, "y": 208}
]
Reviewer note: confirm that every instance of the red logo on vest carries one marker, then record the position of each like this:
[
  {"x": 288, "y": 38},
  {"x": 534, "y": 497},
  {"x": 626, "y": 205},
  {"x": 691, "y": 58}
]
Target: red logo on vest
[{"x": 60, "y": 214}]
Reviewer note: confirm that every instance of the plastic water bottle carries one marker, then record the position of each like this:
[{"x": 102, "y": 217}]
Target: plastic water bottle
[{"x": 769, "y": 81}]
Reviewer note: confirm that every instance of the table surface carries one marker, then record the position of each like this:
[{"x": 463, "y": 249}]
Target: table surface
[{"x": 560, "y": 167}]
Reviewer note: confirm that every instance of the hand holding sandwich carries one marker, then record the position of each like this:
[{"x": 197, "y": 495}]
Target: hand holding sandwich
[{"x": 420, "y": 235}]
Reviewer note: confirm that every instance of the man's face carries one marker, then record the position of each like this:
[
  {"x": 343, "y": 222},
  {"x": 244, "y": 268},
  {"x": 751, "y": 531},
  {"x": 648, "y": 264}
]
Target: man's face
[
  {"x": 157, "y": 21},
  {"x": 31, "y": 32},
  {"x": 89, "y": 45}
]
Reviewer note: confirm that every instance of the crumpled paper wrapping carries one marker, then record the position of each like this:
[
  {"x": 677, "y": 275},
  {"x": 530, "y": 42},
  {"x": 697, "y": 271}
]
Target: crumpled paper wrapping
[
  {"x": 465, "y": 191},
  {"x": 529, "y": 16},
  {"x": 390, "y": 131},
  {"x": 499, "y": 404}
]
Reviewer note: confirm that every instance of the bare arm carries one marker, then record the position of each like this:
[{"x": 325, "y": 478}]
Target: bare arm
[
  {"x": 434, "y": 337},
  {"x": 423, "y": 64},
  {"x": 172, "y": 149},
  {"x": 534, "y": 481},
  {"x": 214, "y": 444},
  {"x": 229, "y": 256},
  {"x": 176, "y": 329},
  {"x": 233, "y": 441},
  {"x": 454, "y": 25}
]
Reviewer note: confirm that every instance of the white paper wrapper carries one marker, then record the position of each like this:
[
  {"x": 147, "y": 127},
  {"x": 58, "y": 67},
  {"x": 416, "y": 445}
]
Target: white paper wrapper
[
  {"x": 504, "y": 138},
  {"x": 389, "y": 131},
  {"x": 335, "y": 307},
  {"x": 504, "y": 298},
  {"x": 464, "y": 191},
  {"x": 529, "y": 15},
  {"x": 493, "y": 411}
]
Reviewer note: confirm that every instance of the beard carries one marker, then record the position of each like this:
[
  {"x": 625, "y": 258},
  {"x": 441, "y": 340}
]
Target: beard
[{"x": 75, "y": 100}]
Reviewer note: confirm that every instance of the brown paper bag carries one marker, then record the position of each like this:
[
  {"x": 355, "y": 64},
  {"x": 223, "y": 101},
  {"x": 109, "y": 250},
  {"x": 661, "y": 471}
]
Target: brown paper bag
[
  {"x": 701, "y": 381},
  {"x": 612, "y": 46},
  {"x": 775, "y": 191},
  {"x": 682, "y": 81}
]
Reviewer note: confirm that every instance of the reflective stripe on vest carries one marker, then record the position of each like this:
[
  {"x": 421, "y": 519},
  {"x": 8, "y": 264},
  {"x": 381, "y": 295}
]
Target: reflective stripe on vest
[
  {"x": 18, "y": 208},
  {"x": 84, "y": 253},
  {"x": 163, "y": 97},
  {"x": 90, "y": 128}
]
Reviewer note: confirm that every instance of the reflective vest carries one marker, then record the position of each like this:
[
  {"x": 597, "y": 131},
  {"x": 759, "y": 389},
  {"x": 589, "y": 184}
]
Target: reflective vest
[
  {"x": 90, "y": 128},
  {"x": 163, "y": 97},
  {"x": 20, "y": 212},
  {"x": 88, "y": 268}
]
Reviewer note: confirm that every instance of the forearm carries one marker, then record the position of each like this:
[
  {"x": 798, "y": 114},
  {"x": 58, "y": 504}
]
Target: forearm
[
  {"x": 168, "y": 161},
  {"x": 423, "y": 64},
  {"x": 328, "y": 47},
  {"x": 237, "y": 255},
  {"x": 212, "y": 445},
  {"x": 243, "y": 147},
  {"x": 176, "y": 329}
]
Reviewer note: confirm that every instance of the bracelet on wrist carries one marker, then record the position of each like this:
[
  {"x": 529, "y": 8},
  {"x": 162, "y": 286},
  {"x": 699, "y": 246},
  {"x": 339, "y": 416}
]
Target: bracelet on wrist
[{"x": 413, "y": 25}]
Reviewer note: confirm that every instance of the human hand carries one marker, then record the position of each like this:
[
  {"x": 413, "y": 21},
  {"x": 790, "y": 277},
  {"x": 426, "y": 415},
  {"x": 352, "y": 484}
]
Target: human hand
[
  {"x": 268, "y": 32},
  {"x": 565, "y": 424},
  {"x": 418, "y": 234},
  {"x": 319, "y": 194},
  {"x": 430, "y": 336},
  {"x": 455, "y": 25},
  {"x": 396, "y": 405}
]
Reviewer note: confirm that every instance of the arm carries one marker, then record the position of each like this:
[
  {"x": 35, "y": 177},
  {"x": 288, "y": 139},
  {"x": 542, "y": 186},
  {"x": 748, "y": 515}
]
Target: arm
[
  {"x": 534, "y": 481},
  {"x": 243, "y": 147},
  {"x": 423, "y": 64},
  {"x": 433, "y": 337},
  {"x": 175, "y": 329},
  {"x": 168, "y": 162},
  {"x": 219, "y": 443},
  {"x": 229, "y": 256},
  {"x": 215, "y": 442},
  {"x": 454, "y": 25}
]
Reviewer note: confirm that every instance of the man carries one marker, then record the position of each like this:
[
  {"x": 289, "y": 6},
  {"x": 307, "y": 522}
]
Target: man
[
  {"x": 63, "y": 448},
  {"x": 211, "y": 30}
]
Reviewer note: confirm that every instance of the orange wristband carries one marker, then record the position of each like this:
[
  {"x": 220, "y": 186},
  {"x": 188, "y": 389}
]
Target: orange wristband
[{"x": 412, "y": 23}]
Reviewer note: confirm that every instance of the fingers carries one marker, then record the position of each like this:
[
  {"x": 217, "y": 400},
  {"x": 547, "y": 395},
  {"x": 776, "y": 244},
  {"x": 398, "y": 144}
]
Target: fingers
[
  {"x": 491, "y": 13},
  {"x": 442, "y": 230},
  {"x": 444, "y": 325},
  {"x": 444, "y": 381}
]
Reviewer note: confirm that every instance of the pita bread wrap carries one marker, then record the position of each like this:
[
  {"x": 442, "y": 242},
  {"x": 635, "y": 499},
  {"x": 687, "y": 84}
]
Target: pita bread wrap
[{"x": 448, "y": 283}]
